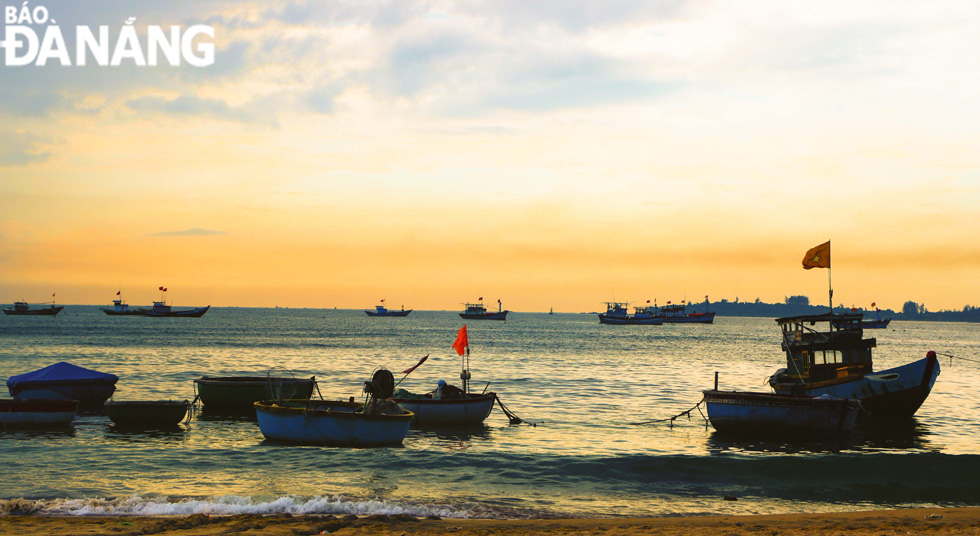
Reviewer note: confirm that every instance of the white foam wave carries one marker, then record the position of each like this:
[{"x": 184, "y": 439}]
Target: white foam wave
[{"x": 137, "y": 505}]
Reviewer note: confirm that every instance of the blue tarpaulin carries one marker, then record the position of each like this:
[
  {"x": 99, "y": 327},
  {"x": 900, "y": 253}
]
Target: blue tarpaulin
[{"x": 60, "y": 373}]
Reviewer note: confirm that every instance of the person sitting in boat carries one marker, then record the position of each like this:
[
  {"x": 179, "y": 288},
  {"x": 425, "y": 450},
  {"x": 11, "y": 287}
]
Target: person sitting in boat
[{"x": 447, "y": 391}]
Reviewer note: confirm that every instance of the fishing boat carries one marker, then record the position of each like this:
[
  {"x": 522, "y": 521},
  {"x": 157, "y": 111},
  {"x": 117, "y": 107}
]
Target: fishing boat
[
  {"x": 121, "y": 308},
  {"x": 146, "y": 413},
  {"x": 161, "y": 309},
  {"x": 677, "y": 314},
  {"x": 476, "y": 311},
  {"x": 239, "y": 393},
  {"x": 380, "y": 310},
  {"x": 616, "y": 313},
  {"x": 19, "y": 413},
  {"x": 838, "y": 362},
  {"x": 64, "y": 381},
  {"x": 737, "y": 412},
  {"x": 377, "y": 422},
  {"x": 22, "y": 308},
  {"x": 877, "y": 323},
  {"x": 465, "y": 409},
  {"x": 449, "y": 405}
]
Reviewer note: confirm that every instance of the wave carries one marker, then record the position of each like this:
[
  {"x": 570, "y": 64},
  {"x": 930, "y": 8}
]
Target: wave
[{"x": 137, "y": 505}]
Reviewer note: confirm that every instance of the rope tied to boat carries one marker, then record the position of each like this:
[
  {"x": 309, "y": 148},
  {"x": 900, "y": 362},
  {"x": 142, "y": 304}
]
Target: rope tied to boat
[
  {"x": 514, "y": 419},
  {"x": 951, "y": 357},
  {"x": 671, "y": 420}
]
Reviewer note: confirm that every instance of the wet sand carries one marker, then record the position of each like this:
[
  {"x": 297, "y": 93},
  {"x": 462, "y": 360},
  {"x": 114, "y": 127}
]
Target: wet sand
[{"x": 930, "y": 521}]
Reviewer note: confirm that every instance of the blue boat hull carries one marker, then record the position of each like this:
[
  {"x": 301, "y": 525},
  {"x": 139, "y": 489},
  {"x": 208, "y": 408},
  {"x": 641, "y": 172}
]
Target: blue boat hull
[
  {"x": 889, "y": 394},
  {"x": 767, "y": 413},
  {"x": 335, "y": 423},
  {"x": 388, "y": 313}
]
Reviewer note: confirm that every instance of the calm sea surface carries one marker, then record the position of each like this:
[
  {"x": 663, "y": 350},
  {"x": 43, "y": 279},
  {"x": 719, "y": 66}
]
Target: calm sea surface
[{"x": 590, "y": 388}]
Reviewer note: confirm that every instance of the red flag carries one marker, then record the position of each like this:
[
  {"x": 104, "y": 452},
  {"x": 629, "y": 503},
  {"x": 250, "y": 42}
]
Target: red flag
[
  {"x": 164, "y": 290},
  {"x": 161, "y": 288},
  {"x": 817, "y": 256},
  {"x": 416, "y": 365},
  {"x": 498, "y": 300},
  {"x": 872, "y": 304},
  {"x": 118, "y": 292},
  {"x": 481, "y": 298},
  {"x": 648, "y": 301},
  {"x": 462, "y": 341},
  {"x": 668, "y": 302}
]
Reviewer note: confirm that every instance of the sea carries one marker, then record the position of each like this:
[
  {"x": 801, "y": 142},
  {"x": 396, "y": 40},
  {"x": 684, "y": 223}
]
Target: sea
[{"x": 613, "y": 425}]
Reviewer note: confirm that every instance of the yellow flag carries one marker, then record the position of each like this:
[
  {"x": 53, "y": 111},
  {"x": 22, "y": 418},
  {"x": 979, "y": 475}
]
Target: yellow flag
[{"x": 818, "y": 257}]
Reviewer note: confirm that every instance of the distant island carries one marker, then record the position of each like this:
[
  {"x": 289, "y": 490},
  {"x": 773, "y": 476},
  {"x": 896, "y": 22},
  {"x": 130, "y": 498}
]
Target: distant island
[{"x": 800, "y": 305}]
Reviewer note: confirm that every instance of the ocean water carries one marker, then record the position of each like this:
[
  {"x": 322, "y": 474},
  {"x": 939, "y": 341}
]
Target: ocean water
[{"x": 600, "y": 397}]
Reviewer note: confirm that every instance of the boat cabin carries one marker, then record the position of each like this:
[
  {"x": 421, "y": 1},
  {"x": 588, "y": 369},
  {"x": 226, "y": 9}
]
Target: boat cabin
[
  {"x": 616, "y": 309},
  {"x": 818, "y": 356},
  {"x": 476, "y": 308},
  {"x": 21, "y": 306}
]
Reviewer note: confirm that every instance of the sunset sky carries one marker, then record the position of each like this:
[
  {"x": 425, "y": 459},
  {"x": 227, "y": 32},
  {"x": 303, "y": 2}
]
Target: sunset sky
[{"x": 549, "y": 154}]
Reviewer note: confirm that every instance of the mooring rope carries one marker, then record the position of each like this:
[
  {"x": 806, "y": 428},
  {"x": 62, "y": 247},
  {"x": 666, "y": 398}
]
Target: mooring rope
[
  {"x": 957, "y": 357},
  {"x": 514, "y": 419},
  {"x": 675, "y": 417}
]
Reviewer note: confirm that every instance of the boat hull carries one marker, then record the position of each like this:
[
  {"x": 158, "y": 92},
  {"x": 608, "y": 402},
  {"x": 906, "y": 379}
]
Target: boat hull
[
  {"x": 630, "y": 320},
  {"x": 334, "y": 423},
  {"x": 196, "y": 312},
  {"x": 122, "y": 312},
  {"x": 37, "y": 413},
  {"x": 895, "y": 393},
  {"x": 239, "y": 393},
  {"x": 389, "y": 313},
  {"x": 693, "y": 318},
  {"x": 766, "y": 413},
  {"x": 502, "y": 315},
  {"x": 470, "y": 411},
  {"x": 146, "y": 414},
  {"x": 47, "y": 311}
]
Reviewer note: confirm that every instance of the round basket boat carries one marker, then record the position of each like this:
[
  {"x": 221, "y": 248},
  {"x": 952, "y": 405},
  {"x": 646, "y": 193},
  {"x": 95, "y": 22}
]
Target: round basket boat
[{"x": 147, "y": 413}]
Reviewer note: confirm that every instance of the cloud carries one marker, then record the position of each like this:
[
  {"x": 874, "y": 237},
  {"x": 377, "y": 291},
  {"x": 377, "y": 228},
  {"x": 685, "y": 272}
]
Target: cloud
[
  {"x": 18, "y": 148},
  {"x": 194, "y": 231},
  {"x": 188, "y": 105}
]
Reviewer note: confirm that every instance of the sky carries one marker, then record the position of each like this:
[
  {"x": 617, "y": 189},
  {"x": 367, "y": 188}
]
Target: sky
[{"x": 550, "y": 154}]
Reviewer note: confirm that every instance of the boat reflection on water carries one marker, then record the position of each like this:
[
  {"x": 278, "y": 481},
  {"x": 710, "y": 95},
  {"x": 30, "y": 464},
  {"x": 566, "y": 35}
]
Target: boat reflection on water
[
  {"x": 449, "y": 438},
  {"x": 176, "y": 433},
  {"x": 868, "y": 436}
]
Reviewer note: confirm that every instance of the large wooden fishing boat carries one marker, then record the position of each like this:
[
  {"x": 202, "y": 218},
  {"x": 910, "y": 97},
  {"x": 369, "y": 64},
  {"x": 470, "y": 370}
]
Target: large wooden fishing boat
[
  {"x": 381, "y": 310},
  {"x": 838, "y": 362}
]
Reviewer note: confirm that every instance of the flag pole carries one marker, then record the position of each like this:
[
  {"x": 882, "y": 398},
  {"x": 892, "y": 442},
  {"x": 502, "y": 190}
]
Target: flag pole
[{"x": 830, "y": 286}]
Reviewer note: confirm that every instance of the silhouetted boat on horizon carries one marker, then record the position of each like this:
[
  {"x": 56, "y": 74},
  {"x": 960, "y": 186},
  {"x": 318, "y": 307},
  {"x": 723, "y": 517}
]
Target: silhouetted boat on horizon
[
  {"x": 617, "y": 314},
  {"x": 476, "y": 311},
  {"x": 22, "y": 308}
]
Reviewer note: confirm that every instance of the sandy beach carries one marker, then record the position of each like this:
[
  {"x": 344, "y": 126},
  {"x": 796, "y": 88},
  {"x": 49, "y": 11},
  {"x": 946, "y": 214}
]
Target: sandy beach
[{"x": 932, "y": 521}]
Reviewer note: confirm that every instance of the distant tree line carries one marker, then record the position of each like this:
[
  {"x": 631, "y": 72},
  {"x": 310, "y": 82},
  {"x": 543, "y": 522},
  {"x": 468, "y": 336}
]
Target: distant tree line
[{"x": 800, "y": 305}]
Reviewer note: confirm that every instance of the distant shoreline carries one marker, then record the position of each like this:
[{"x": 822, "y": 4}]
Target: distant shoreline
[
  {"x": 935, "y": 521},
  {"x": 723, "y": 309}
]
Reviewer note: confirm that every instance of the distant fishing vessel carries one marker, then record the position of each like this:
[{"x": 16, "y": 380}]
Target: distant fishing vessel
[
  {"x": 877, "y": 323},
  {"x": 380, "y": 310},
  {"x": 22, "y": 308},
  {"x": 161, "y": 309},
  {"x": 476, "y": 311},
  {"x": 616, "y": 313},
  {"x": 677, "y": 314},
  {"x": 120, "y": 307}
]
